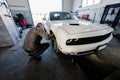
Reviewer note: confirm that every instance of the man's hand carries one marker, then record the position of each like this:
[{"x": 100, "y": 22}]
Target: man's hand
[{"x": 51, "y": 36}]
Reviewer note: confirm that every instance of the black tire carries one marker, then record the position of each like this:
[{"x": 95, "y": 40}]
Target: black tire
[
  {"x": 55, "y": 45},
  {"x": 58, "y": 52}
]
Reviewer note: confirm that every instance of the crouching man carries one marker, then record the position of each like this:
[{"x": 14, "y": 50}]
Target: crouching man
[{"x": 32, "y": 40}]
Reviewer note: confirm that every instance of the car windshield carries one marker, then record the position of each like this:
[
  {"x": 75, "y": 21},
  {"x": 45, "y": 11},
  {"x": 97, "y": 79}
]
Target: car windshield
[{"x": 61, "y": 16}]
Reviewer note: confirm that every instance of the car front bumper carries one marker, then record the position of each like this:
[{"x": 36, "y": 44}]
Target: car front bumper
[{"x": 84, "y": 49}]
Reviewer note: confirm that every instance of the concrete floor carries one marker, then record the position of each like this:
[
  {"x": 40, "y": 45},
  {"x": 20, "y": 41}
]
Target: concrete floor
[{"x": 15, "y": 64}]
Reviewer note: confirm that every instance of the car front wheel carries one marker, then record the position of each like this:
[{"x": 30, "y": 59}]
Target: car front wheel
[{"x": 55, "y": 45}]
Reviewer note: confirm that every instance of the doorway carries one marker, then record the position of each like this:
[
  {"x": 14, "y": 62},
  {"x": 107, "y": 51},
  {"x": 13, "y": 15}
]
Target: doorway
[{"x": 41, "y": 7}]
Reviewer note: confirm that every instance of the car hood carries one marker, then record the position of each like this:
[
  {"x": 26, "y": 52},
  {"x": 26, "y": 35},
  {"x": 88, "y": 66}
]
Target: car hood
[{"x": 78, "y": 26}]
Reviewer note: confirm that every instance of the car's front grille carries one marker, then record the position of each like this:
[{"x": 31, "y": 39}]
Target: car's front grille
[{"x": 88, "y": 40}]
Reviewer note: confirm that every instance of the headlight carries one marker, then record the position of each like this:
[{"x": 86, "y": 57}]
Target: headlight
[
  {"x": 76, "y": 39},
  {"x": 69, "y": 41},
  {"x": 72, "y": 41}
]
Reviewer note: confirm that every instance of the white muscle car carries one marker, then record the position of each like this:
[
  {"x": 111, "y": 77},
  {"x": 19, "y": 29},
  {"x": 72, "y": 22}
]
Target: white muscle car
[{"x": 77, "y": 37}]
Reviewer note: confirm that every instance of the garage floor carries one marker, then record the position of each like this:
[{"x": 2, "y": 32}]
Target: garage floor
[{"x": 15, "y": 64}]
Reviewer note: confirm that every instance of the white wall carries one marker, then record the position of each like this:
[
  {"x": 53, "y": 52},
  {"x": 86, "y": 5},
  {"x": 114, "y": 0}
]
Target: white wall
[
  {"x": 92, "y": 10},
  {"x": 67, "y": 5},
  {"x": 77, "y": 4},
  {"x": 8, "y": 30},
  {"x": 106, "y": 2}
]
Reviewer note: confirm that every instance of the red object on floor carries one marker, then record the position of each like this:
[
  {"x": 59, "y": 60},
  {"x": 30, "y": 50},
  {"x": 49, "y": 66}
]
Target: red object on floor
[
  {"x": 85, "y": 16},
  {"x": 23, "y": 22}
]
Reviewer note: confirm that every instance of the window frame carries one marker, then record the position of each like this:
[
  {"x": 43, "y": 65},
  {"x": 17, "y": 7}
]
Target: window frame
[{"x": 86, "y": 4}]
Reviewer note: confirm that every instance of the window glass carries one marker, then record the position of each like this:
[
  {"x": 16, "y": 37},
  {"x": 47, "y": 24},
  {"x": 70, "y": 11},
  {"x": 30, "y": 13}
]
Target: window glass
[
  {"x": 84, "y": 3},
  {"x": 97, "y": 1},
  {"x": 90, "y": 2},
  {"x": 61, "y": 16}
]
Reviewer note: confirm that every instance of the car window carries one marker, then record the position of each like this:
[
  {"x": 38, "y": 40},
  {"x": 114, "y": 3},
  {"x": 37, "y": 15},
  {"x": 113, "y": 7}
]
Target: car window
[
  {"x": 55, "y": 16},
  {"x": 61, "y": 16},
  {"x": 66, "y": 16}
]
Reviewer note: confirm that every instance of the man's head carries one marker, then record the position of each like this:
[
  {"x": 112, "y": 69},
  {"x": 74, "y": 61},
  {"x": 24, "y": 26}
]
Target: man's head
[{"x": 40, "y": 25}]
